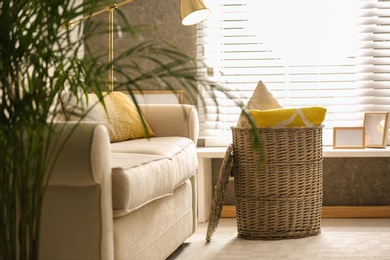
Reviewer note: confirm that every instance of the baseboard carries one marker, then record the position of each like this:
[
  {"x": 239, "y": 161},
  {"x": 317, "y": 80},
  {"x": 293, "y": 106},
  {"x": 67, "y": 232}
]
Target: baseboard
[
  {"x": 228, "y": 212},
  {"x": 334, "y": 212},
  {"x": 356, "y": 211}
]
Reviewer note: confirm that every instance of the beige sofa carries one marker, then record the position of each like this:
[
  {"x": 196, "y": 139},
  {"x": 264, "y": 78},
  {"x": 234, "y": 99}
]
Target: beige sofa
[{"x": 134, "y": 199}]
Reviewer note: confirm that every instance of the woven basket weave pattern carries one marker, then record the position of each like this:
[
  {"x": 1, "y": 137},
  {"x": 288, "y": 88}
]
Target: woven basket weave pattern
[{"x": 282, "y": 197}]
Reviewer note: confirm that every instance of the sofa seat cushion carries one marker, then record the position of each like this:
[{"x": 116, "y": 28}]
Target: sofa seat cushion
[
  {"x": 165, "y": 146},
  {"x": 148, "y": 169}
]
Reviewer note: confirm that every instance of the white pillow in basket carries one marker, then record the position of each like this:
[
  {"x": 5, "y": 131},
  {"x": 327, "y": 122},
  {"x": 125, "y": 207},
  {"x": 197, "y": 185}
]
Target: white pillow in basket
[{"x": 262, "y": 99}]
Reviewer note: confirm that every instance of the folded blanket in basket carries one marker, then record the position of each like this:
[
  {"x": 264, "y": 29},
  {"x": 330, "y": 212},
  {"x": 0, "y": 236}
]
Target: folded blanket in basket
[{"x": 289, "y": 117}]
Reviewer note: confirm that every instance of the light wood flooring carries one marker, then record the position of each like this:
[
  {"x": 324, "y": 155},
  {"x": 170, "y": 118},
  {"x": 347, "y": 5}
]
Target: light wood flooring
[{"x": 355, "y": 238}]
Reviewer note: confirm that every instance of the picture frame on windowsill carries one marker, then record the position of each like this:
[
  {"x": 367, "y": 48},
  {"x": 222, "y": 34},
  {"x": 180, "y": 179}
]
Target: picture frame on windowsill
[
  {"x": 157, "y": 96},
  {"x": 376, "y": 129},
  {"x": 348, "y": 138}
]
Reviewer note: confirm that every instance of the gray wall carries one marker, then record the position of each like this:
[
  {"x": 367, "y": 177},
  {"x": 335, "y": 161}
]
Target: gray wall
[
  {"x": 347, "y": 181},
  {"x": 154, "y": 20},
  {"x": 163, "y": 19}
]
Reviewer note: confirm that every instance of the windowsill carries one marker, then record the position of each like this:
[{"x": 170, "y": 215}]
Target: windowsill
[{"x": 328, "y": 151}]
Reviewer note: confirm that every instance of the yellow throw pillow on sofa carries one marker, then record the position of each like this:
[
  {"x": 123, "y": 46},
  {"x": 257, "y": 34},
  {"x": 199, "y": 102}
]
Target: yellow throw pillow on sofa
[
  {"x": 120, "y": 117},
  {"x": 289, "y": 117}
]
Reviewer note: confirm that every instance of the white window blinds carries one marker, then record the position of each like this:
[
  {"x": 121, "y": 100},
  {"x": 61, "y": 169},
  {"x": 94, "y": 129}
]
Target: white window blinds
[{"x": 329, "y": 53}]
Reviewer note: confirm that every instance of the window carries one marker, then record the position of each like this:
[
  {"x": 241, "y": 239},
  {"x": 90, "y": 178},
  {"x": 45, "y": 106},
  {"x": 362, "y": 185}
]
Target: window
[{"x": 329, "y": 53}]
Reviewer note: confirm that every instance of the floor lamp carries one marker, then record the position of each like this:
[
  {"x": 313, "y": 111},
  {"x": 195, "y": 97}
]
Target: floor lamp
[{"x": 191, "y": 12}]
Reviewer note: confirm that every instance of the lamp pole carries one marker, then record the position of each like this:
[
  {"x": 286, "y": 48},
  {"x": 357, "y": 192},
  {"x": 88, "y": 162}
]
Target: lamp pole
[
  {"x": 191, "y": 11},
  {"x": 110, "y": 11}
]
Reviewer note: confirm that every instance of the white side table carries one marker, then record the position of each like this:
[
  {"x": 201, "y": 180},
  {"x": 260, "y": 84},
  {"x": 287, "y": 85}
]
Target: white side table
[{"x": 205, "y": 189}]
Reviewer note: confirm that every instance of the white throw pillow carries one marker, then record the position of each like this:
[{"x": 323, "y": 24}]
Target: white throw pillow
[{"x": 262, "y": 99}]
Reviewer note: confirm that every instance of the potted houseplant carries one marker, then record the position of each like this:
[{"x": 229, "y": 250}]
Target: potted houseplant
[{"x": 44, "y": 77}]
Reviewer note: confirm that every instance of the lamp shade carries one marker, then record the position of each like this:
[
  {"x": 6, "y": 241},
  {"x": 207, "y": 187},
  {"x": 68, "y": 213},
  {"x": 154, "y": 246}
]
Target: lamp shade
[{"x": 193, "y": 11}]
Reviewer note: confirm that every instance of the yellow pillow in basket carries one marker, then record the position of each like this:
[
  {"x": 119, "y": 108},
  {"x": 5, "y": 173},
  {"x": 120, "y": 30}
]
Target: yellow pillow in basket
[{"x": 289, "y": 117}]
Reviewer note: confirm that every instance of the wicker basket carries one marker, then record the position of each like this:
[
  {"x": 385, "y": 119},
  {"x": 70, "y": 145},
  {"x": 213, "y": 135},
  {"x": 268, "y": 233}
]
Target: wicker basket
[{"x": 280, "y": 198}]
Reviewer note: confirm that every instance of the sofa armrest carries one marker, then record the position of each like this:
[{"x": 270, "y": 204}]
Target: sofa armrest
[
  {"x": 77, "y": 215},
  {"x": 172, "y": 119},
  {"x": 84, "y": 154}
]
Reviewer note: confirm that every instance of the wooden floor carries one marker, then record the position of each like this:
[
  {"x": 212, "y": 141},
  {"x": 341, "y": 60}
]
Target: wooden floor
[{"x": 347, "y": 238}]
